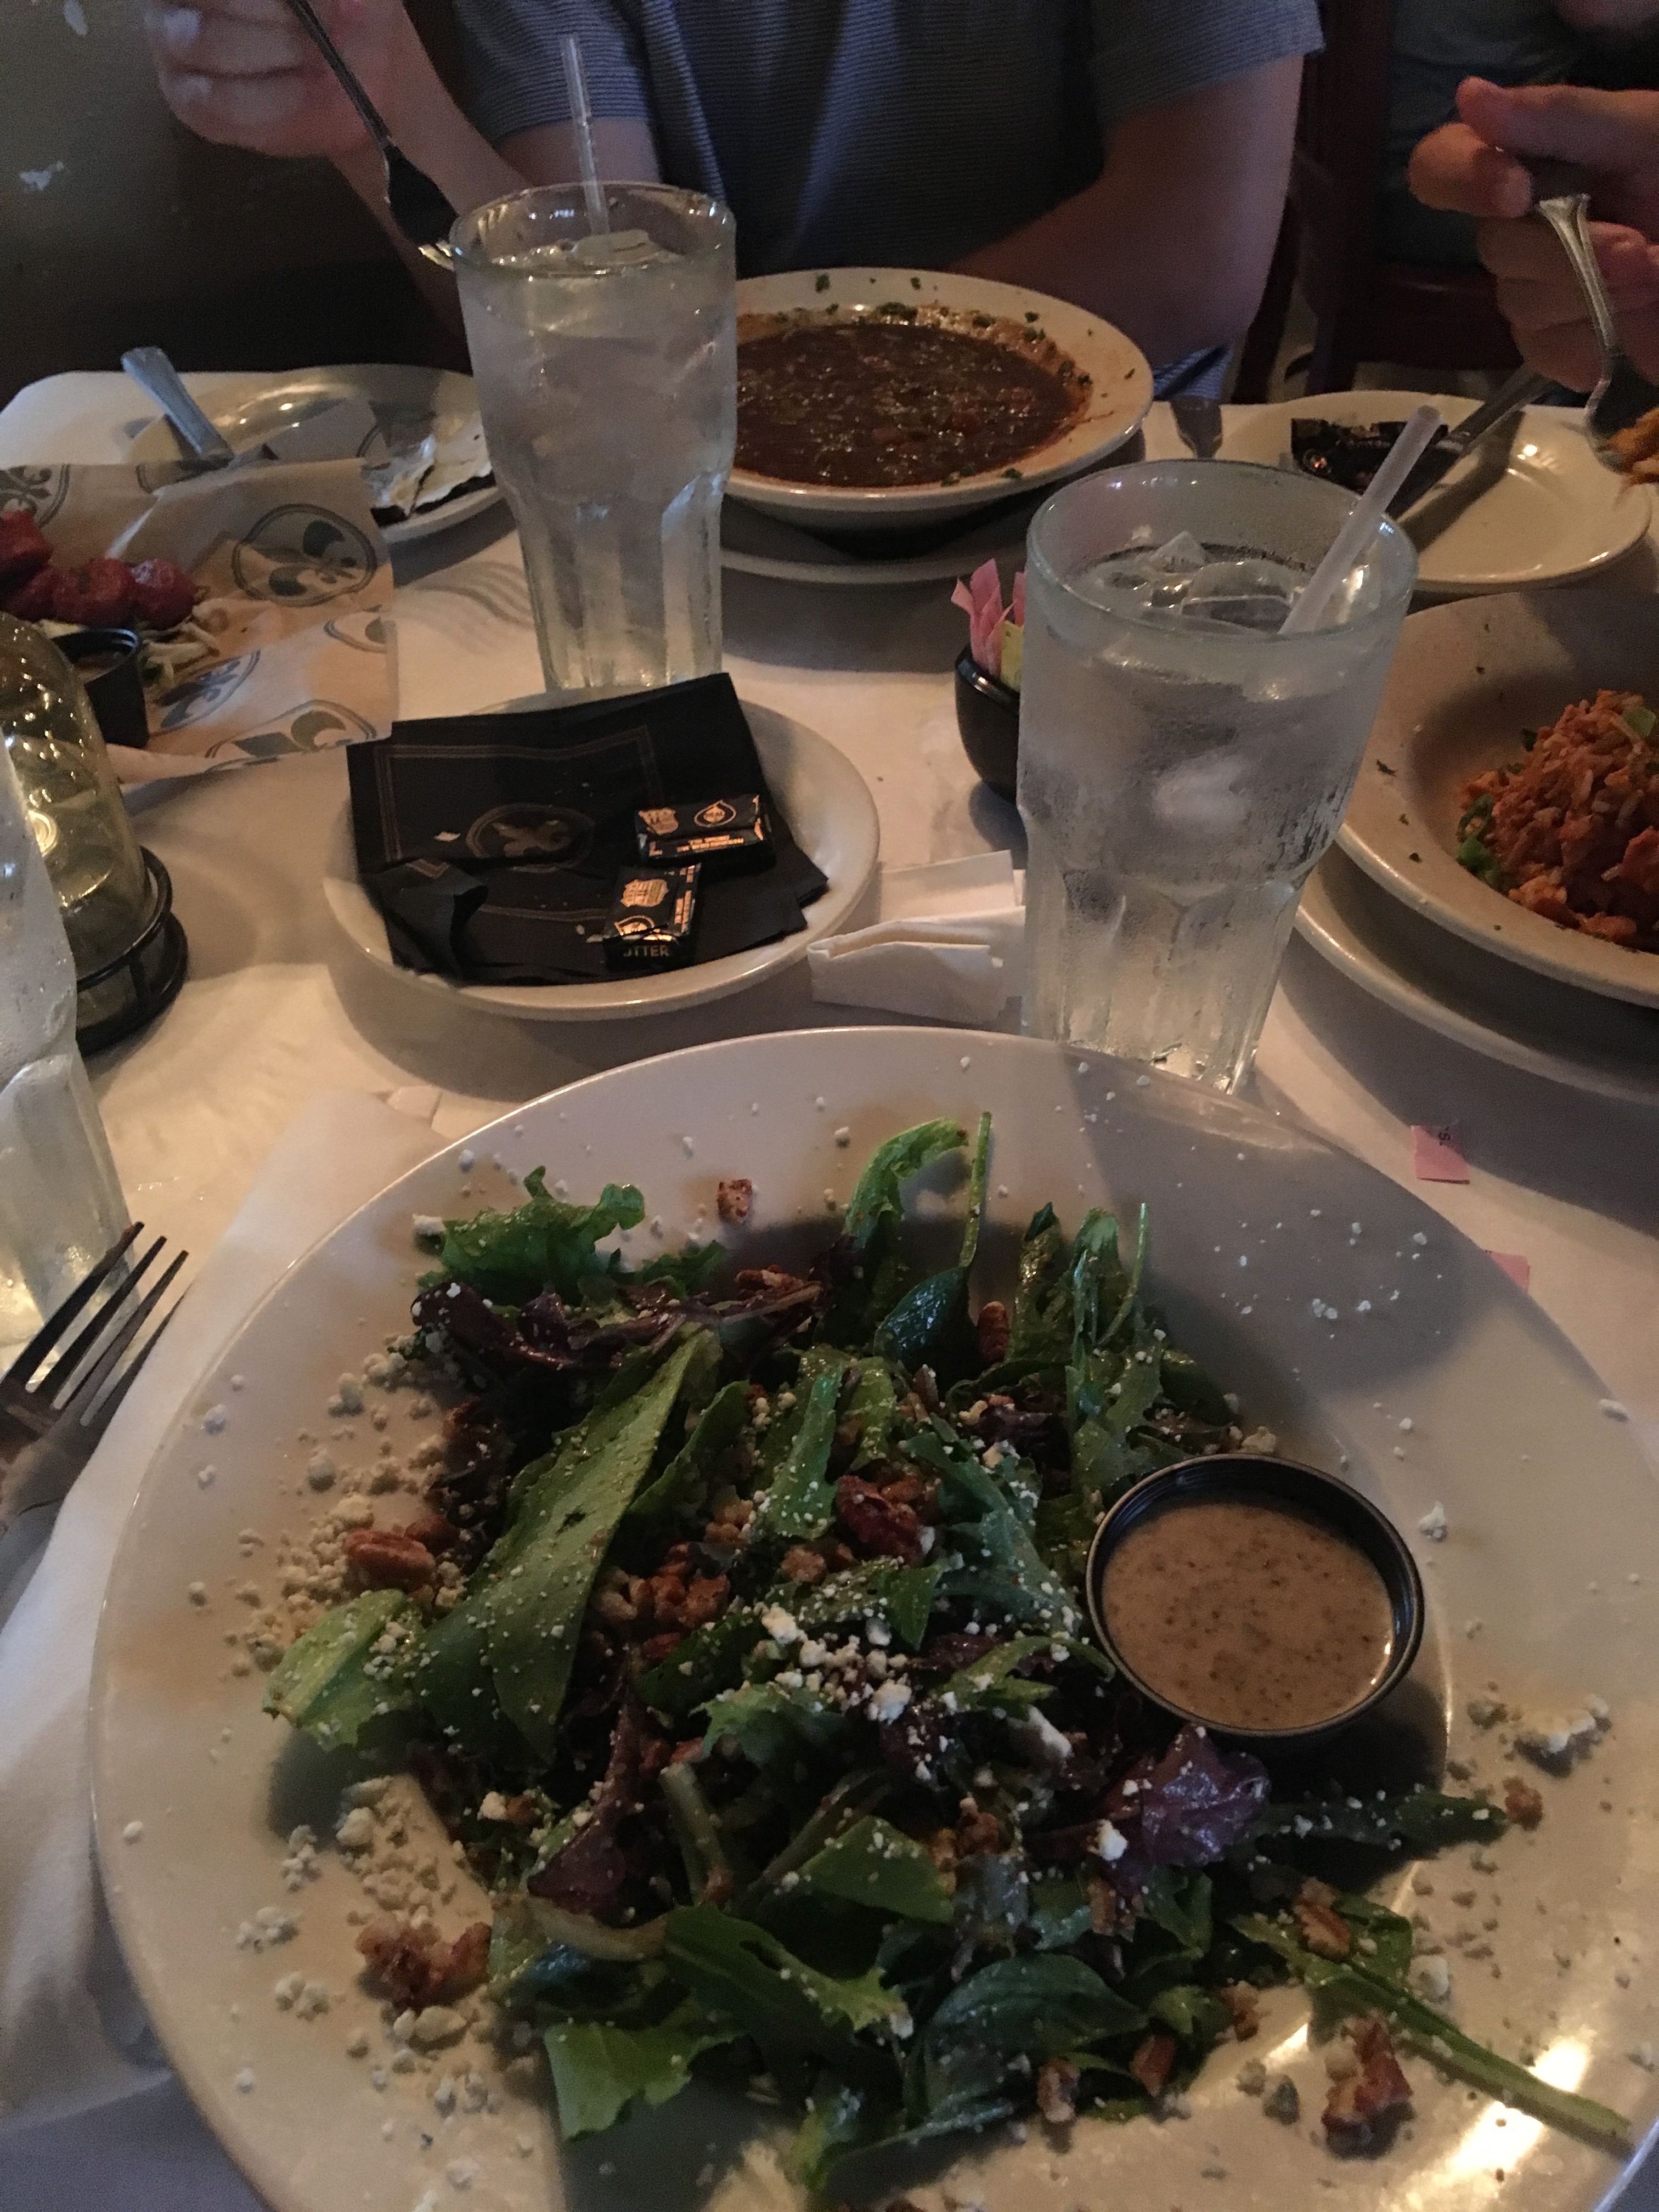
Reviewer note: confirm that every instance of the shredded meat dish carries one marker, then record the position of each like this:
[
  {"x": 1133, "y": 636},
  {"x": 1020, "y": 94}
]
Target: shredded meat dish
[{"x": 1572, "y": 831}]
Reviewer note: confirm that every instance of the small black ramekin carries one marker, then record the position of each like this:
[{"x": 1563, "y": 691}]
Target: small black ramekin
[
  {"x": 117, "y": 693},
  {"x": 1252, "y": 1475},
  {"x": 987, "y": 717}
]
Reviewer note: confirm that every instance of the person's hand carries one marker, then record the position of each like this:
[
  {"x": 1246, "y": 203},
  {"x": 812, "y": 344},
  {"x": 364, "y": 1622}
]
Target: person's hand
[
  {"x": 1471, "y": 166},
  {"x": 243, "y": 73}
]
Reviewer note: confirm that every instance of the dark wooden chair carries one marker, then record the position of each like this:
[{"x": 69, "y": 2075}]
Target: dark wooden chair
[{"x": 1419, "y": 314}]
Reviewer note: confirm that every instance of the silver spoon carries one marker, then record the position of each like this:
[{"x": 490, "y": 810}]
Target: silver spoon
[
  {"x": 1624, "y": 395},
  {"x": 419, "y": 208},
  {"x": 149, "y": 368}
]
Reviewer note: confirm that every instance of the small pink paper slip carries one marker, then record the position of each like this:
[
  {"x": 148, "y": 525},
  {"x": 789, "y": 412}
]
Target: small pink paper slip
[
  {"x": 1437, "y": 1154},
  {"x": 1515, "y": 1266}
]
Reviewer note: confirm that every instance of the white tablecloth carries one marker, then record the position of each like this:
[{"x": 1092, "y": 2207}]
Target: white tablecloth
[{"x": 279, "y": 1006}]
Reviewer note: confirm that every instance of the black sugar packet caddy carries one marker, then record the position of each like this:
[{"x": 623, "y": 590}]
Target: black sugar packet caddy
[{"x": 492, "y": 844}]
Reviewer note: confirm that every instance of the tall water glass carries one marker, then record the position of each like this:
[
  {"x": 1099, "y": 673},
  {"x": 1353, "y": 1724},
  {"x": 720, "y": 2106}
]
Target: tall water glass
[
  {"x": 606, "y": 368},
  {"x": 1181, "y": 766}
]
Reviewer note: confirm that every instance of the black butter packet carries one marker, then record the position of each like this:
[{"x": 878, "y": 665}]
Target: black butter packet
[
  {"x": 728, "y": 836},
  {"x": 653, "y": 916},
  {"x": 492, "y": 843}
]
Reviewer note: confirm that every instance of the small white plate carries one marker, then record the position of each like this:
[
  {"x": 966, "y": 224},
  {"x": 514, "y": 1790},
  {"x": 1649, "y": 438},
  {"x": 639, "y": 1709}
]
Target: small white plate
[
  {"x": 1552, "y": 513},
  {"x": 1122, "y": 390},
  {"x": 828, "y": 806},
  {"x": 1551, "y": 1541},
  {"x": 1566, "y": 1036},
  {"x": 407, "y": 400},
  {"x": 1467, "y": 680}
]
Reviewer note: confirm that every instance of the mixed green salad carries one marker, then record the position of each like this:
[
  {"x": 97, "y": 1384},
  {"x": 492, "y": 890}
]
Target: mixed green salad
[{"x": 767, "y": 1712}]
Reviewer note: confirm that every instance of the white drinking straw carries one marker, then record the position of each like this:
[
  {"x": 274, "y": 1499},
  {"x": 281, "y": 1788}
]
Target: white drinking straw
[
  {"x": 581, "y": 122},
  {"x": 1357, "y": 532}
]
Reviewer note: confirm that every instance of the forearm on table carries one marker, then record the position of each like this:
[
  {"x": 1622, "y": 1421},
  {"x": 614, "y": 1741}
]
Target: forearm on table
[{"x": 1172, "y": 240}]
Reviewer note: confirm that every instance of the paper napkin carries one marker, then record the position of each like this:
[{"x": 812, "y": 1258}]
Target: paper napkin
[{"x": 948, "y": 944}]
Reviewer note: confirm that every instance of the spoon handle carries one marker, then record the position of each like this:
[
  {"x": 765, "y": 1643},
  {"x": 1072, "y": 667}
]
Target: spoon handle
[
  {"x": 1566, "y": 216},
  {"x": 318, "y": 30}
]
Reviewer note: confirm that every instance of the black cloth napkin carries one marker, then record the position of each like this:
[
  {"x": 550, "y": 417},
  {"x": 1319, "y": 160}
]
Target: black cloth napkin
[{"x": 491, "y": 843}]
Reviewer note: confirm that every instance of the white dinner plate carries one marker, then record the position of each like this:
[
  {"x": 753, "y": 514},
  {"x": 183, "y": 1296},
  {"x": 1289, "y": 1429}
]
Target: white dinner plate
[
  {"x": 1465, "y": 681},
  {"x": 408, "y": 401},
  {"x": 757, "y": 544},
  {"x": 1588, "y": 1043},
  {"x": 1544, "y": 514},
  {"x": 1121, "y": 393},
  {"x": 1458, "y": 1390},
  {"x": 828, "y": 806}
]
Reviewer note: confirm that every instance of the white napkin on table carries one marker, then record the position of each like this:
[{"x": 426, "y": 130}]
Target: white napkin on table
[
  {"x": 72, "y": 2034},
  {"x": 948, "y": 944}
]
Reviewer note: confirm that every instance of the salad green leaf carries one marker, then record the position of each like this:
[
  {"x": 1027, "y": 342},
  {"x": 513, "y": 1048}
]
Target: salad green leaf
[{"x": 347, "y": 1671}]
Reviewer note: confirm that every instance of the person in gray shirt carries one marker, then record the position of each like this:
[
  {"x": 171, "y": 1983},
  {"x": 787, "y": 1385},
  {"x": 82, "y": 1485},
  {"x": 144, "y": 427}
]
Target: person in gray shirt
[{"x": 1128, "y": 155}]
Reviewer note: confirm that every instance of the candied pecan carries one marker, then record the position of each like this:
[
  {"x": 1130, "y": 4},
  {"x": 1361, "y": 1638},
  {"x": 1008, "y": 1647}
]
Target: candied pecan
[
  {"x": 705, "y": 1598},
  {"x": 1103, "y": 1907},
  {"x": 1056, "y": 2092},
  {"x": 721, "y": 1887},
  {"x": 431, "y": 1529},
  {"x": 521, "y": 1810},
  {"x": 991, "y": 1330},
  {"x": 1522, "y": 1802},
  {"x": 658, "y": 1753},
  {"x": 1323, "y": 1928},
  {"x": 690, "y": 1749},
  {"x": 414, "y": 1964},
  {"x": 979, "y": 1831},
  {"x": 384, "y": 1560},
  {"x": 733, "y": 1198},
  {"x": 906, "y": 1490},
  {"x": 801, "y": 1563},
  {"x": 889, "y": 1530},
  {"x": 940, "y": 1845},
  {"x": 656, "y": 1648},
  {"x": 1358, "y": 2106},
  {"x": 1240, "y": 1999},
  {"x": 1154, "y": 2056}
]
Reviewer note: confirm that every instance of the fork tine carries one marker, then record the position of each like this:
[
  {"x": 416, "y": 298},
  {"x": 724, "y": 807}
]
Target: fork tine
[
  {"x": 64, "y": 1367},
  {"x": 73, "y": 1306},
  {"x": 90, "y": 1398}
]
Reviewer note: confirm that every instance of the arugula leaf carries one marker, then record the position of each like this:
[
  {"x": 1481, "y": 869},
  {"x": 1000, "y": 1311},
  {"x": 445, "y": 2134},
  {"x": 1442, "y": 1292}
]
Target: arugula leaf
[
  {"x": 1060, "y": 1909},
  {"x": 704, "y": 1847},
  {"x": 1382, "y": 1940},
  {"x": 544, "y": 1244},
  {"x": 930, "y": 1325},
  {"x": 1179, "y": 1904},
  {"x": 848, "y": 1801},
  {"x": 1427, "y": 1819},
  {"x": 599, "y": 2069},
  {"x": 1192, "y": 1389},
  {"x": 527, "y": 1929},
  {"x": 709, "y": 1660},
  {"x": 792, "y": 2011},
  {"x": 1350, "y": 1988},
  {"x": 1000, "y": 1563},
  {"x": 768, "y": 1722},
  {"x": 516, "y": 1629},
  {"x": 800, "y": 1502},
  {"x": 991, "y": 1681},
  {"x": 874, "y": 1216},
  {"x": 874, "y": 1406},
  {"x": 843, "y": 2118},
  {"x": 1196, "y": 2015},
  {"x": 877, "y": 1196},
  {"x": 680, "y": 1493},
  {"x": 333, "y": 1680},
  {"x": 1034, "y": 2009},
  {"x": 875, "y": 1864},
  {"x": 877, "y": 1590}
]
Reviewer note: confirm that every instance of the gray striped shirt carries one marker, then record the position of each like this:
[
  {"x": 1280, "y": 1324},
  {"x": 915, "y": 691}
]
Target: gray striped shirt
[{"x": 907, "y": 132}]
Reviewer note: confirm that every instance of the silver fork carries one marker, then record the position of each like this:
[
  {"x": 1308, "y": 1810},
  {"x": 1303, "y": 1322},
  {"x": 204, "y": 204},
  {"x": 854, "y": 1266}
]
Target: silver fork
[
  {"x": 49, "y": 1422},
  {"x": 1624, "y": 395}
]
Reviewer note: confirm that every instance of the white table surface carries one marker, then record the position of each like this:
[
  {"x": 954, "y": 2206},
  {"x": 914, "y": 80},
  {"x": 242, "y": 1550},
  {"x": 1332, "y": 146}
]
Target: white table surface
[{"x": 279, "y": 1006}]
